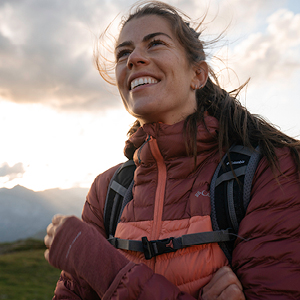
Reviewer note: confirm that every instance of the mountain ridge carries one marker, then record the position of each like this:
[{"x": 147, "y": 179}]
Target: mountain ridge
[{"x": 25, "y": 213}]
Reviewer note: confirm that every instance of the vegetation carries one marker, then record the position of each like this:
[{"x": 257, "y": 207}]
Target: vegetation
[{"x": 24, "y": 272}]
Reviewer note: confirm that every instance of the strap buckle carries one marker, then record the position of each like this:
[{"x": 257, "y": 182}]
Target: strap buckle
[
  {"x": 157, "y": 247},
  {"x": 113, "y": 241}
]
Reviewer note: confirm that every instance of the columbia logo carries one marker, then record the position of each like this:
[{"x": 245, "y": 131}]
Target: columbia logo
[
  {"x": 238, "y": 162},
  {"x": 203, "y": 193}
]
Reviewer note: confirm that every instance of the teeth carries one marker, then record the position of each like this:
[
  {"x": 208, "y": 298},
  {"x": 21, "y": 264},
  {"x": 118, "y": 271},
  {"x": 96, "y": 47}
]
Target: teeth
[{"x": 142, "y": 80}]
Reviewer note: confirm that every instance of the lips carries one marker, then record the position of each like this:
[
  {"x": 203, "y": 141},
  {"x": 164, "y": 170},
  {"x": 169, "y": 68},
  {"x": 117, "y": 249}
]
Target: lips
[{"x": 142, "y": 81}]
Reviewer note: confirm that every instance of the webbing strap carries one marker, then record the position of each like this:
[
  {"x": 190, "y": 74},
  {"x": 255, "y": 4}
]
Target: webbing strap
[
  {"x": 126, "y": 244},
  {"x": 202, "y": 238},
  {"x": 252, "y": 165},
  {"x": 118, "y": 188},
  {"x": 230, "y": 204},
  {"x": 127, "y": 198},
  {"x": 230, "y": 175},
  {"x": 157, "y": 247},
  {"x": 230, "y": 196},
  {"x": 109, "y": 204}
]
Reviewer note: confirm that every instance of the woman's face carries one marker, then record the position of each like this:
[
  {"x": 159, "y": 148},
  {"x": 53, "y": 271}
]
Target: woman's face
[{"x": 154, "y": 77}]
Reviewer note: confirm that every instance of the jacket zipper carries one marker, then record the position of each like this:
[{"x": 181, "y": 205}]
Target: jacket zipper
[{"x": 160, "y": 189}]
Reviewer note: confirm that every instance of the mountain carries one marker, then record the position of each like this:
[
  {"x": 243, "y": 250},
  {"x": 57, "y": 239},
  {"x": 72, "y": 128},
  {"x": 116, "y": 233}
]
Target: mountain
[{"x": 25, "y": 213}]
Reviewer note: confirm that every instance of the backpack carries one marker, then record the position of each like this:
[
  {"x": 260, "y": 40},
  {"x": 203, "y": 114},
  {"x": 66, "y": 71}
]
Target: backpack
[{"x": 230, "y": 191}]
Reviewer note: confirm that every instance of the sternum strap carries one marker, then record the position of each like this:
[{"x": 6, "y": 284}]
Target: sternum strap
[{"x": 157, "y": 247}]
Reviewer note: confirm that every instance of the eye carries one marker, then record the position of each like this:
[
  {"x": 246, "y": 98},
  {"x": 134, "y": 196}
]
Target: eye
[
  {"x": 122, "y": 54},
  {"x": 156, "y": 43}
]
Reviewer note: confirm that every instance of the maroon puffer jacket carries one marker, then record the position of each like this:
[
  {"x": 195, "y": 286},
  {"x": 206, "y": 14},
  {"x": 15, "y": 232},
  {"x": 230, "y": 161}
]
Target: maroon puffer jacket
[{"x": 266, "y": 257}]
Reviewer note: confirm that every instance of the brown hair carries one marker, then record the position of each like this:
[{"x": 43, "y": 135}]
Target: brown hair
[{"x": 236, "y": 123}]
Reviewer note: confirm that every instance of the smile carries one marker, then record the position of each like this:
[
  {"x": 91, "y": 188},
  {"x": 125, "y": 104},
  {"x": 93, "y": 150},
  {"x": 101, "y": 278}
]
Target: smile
[{"x": 141, "y": 81}]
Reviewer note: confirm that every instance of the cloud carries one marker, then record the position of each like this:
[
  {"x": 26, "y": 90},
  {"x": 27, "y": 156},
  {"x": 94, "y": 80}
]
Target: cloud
[
  {"x": 272, "y": 54},
  {"x": 248, "y": 12},
  {"x": 46, "y": 53},
  {"x": 46, "y": 47},
  {"x": 16, "y": 171}
]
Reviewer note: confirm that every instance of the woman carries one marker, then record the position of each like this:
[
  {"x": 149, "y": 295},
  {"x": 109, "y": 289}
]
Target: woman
[{"x": 185, "y": 123}]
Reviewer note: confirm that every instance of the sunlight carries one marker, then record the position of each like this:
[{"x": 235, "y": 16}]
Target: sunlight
[{"x": 60, "y": 149}]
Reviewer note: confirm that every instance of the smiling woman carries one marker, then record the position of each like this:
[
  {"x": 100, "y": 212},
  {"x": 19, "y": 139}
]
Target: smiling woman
[
  {"x": 185, "y": 123},
  {"x": 149, "y": 52}
]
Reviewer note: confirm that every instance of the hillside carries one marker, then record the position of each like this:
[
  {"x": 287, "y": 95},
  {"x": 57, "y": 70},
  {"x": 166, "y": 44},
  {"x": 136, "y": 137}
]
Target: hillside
[
  {"x": 25, "y": 274},
  {"x": 25, "y": 213}
]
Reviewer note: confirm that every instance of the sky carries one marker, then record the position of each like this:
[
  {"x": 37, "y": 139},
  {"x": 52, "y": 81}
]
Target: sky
[{"x": 61, "y": 124}]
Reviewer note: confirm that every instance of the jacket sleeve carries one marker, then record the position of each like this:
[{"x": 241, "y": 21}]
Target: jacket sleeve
[
  {"x": 68, "y": 286},
  {"x": 267, "y": 253},
  {"x": 79, "y": 249}
]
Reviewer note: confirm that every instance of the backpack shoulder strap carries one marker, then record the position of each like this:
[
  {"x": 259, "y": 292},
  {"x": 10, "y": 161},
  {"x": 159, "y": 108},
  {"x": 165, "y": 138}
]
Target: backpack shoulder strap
[
  {"x": 118, "y": 195},
  {"x": 230, "y": 190}
]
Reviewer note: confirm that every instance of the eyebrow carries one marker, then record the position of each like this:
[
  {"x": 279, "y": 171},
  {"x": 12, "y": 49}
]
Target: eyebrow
[{"x": 145, "y": 39}]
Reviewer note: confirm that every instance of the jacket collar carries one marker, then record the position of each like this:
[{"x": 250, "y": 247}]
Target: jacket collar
[{"x": 171, "y": 140}]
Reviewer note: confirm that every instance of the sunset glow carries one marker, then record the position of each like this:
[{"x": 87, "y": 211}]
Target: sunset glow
[{"x": 62, "y": 125}]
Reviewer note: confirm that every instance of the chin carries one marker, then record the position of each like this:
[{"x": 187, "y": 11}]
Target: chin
[{"x": 143, "y": 109}]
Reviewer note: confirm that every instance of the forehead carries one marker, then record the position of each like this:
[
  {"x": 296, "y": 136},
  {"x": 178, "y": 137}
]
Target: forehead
[{"x": 138, "y": 28}]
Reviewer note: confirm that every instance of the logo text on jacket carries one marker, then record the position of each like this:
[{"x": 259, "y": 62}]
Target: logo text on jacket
[{"x": 203, "y": 193}]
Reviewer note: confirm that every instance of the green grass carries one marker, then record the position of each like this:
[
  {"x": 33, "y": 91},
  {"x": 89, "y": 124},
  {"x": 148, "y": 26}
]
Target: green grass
[{"x": 24, "y": 272}]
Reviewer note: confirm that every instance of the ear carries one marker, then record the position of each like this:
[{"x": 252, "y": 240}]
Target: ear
[{"x": 200, "y": 75}]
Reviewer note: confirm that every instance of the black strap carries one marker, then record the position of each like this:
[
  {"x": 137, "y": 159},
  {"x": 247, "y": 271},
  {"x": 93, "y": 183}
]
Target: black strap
[
  {"x": 158, "y": 247},
  {"x": 119, "y": 189},
  {"x": 230, "y": 190}
]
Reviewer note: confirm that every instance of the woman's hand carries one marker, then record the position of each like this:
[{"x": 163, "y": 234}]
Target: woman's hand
[
  {"x": 52, "y": 228},
  {"x": 223, "y": 285}
]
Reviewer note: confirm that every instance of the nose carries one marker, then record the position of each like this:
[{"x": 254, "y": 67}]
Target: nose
[{"x": 137, "y": 58}]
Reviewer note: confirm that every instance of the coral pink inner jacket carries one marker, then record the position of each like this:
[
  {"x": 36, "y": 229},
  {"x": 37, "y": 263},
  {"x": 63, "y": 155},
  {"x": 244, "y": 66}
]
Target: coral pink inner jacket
[{"x": 171, "y": 198}]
